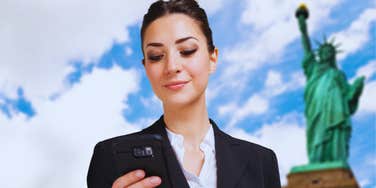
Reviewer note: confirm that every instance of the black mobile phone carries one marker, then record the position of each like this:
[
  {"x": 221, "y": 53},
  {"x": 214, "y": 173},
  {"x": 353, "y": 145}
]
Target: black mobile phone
[{"x": 144, "y": 152}]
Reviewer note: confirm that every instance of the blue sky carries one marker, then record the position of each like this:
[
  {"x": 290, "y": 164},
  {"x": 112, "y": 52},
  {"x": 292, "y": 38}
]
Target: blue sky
[{"x": 71, "y": 75}]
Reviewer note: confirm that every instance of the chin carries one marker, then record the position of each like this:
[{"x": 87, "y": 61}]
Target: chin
[
  {"x": 179, "y": 100},
  {"x": 174, "y": 101}
]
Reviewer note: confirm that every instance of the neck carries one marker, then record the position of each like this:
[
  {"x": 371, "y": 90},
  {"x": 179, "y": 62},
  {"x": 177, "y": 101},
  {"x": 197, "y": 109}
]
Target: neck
[{"x": 190, "y": 120}]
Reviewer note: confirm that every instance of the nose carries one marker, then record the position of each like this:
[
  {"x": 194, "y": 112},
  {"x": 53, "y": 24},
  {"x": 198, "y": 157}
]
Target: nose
[{"x": 172, "y": 65}]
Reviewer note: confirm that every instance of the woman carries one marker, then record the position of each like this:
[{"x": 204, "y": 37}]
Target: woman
[{"x": 179, "y": 56}]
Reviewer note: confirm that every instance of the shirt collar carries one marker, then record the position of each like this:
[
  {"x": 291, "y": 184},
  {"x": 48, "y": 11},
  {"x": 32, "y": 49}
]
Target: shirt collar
[{"x": 177, "y": 140}]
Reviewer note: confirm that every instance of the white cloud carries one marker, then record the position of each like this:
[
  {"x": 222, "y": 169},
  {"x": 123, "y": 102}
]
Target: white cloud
[
  {"x": 298, "y": 80},
  {"x": 357, "y": 34},
  {"x": 260, "y": 14},
  {"x": 364, "y": 182},
  {"x": 367, "y": 70},
  {"x": 285, "y": 136},
  {"x": 259, "y": 103},
  {"x": 128, "y": 51},
  {"x": 54, "y": 148},
  {"x": 211, "y": 6},
  {"x": 152, "y": 104},
  {"x": 365, "y": 171},
  {"x": 39, "y": 39},
  {"x": 255, "y": 105},
  {"x": 146, "y": 121},
  {"x": 272, "y": 30},
  {"x": 227, "y": 109},
  {"x": 274, "y": 84},
  {"x": 273, "y": 79},
  {"x": 10, "y": 88}
]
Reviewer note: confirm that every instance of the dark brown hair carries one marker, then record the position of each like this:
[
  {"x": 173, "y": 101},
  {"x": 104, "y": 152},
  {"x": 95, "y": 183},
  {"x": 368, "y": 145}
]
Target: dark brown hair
[{"x": 188, "y": 7}]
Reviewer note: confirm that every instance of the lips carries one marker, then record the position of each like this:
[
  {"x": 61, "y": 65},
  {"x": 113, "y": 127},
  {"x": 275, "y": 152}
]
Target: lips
[{"x": 175, "y": 85}]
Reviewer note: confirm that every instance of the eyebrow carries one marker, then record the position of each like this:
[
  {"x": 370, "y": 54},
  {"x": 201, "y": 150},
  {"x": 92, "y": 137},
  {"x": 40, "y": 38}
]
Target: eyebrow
[{"x": 156, "y": 44}]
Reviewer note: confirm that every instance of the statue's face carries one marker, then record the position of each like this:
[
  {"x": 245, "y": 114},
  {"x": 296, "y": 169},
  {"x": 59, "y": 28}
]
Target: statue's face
[{"x": 327, "y": 53}]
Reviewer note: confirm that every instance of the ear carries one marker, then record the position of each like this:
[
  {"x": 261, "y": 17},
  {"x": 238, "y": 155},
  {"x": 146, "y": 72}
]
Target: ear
[{"x": 213, "y": 61}]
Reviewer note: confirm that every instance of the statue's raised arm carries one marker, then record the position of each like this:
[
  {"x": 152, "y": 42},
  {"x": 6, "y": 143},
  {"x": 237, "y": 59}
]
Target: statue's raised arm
[{"x": 302, "y": 15}]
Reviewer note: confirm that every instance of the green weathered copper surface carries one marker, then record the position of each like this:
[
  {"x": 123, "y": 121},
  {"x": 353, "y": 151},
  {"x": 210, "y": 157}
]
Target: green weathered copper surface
[
  {"x": 329, "y": 101},
  {"x": 319, "y": 166}
]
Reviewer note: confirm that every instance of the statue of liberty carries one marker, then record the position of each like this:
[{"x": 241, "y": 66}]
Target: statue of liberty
[{"x": 329, "y": 100}]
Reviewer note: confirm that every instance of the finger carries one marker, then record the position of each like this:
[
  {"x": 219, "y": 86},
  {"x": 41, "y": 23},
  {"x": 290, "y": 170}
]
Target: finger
[
  {"x": 149, "y": 182},
  {"x": 128, "y": 179}
]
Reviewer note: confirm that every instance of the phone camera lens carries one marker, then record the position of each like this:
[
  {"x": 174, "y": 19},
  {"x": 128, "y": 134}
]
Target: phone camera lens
[{"x": 143, "y": 151}]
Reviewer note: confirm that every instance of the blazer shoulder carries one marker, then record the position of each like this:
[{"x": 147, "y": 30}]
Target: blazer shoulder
[
  {"x": 267, "y": 158},
  {"x": 110, "y": 141},
  {"x": 261, "y": 161},
  {"x": 250, "y": 146}
]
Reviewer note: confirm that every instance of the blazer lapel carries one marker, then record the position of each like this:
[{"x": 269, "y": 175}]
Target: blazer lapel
[
  {"x": 232, "y": 160},
  {"x": 231, "y": 156},
  {"x": 176, "y": 175}
]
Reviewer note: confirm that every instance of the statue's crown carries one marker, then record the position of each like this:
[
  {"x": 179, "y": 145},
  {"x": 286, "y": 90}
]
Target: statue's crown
[{"x": 329, "y": 44}]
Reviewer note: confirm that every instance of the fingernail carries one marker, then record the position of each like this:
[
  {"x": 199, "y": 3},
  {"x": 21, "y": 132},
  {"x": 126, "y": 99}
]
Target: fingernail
[
  {"x": 139, "y": 173},
  {"x": 155, "y": 180}
]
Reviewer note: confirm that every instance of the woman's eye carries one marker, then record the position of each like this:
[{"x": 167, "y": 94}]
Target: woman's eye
[
  {"x": 188, "y": 52},
  {"x": 155, "y": 57}
]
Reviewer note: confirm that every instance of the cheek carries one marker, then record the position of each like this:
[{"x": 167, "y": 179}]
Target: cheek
[
  {"x": 199, "y": 71},
  {"x": 154, "y": 78},
  {"x": 199, "y": 66},
  {"x": 153, "y": 74}
]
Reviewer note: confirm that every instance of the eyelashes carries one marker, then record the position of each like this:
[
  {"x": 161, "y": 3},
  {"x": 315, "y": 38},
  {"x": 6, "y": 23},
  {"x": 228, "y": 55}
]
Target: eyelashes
[
  {"x": 188, "y": 52},
  {"x": 155, "y": 57},
  {"x": 184, "y": 53}
]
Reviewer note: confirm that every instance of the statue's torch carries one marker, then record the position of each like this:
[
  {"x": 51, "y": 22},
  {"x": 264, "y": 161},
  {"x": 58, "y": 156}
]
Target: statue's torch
[
  {"x": 302, "y": 12},
  {"x": 302, "y": 15}
]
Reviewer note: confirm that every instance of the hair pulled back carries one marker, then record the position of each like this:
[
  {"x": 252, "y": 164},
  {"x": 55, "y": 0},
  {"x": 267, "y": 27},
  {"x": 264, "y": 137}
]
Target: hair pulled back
[{"x": 187, "y": 7}]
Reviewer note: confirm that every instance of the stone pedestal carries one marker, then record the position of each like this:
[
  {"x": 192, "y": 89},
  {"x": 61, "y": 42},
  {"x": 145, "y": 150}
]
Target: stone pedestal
[{"x": 326, "y": 178}]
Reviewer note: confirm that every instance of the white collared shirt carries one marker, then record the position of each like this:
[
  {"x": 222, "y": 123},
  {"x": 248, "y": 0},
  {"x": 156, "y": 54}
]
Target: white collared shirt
[{"x": 208, "y": 174}]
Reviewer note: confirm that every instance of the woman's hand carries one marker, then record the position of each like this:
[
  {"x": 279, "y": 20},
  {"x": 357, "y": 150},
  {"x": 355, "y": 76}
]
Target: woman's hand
[{"x": 135, "y": 179}]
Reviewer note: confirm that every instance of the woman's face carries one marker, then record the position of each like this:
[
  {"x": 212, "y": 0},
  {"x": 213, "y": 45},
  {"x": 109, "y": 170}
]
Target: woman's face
[{"x": 177, "y": 60}]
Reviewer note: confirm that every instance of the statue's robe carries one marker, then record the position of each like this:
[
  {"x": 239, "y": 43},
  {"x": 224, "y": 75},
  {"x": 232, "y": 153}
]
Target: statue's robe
[{"x": 327, "y": 112}]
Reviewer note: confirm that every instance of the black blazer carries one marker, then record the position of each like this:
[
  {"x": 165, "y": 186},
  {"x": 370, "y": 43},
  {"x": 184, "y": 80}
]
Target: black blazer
[{"x": 240, "y": 163}]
